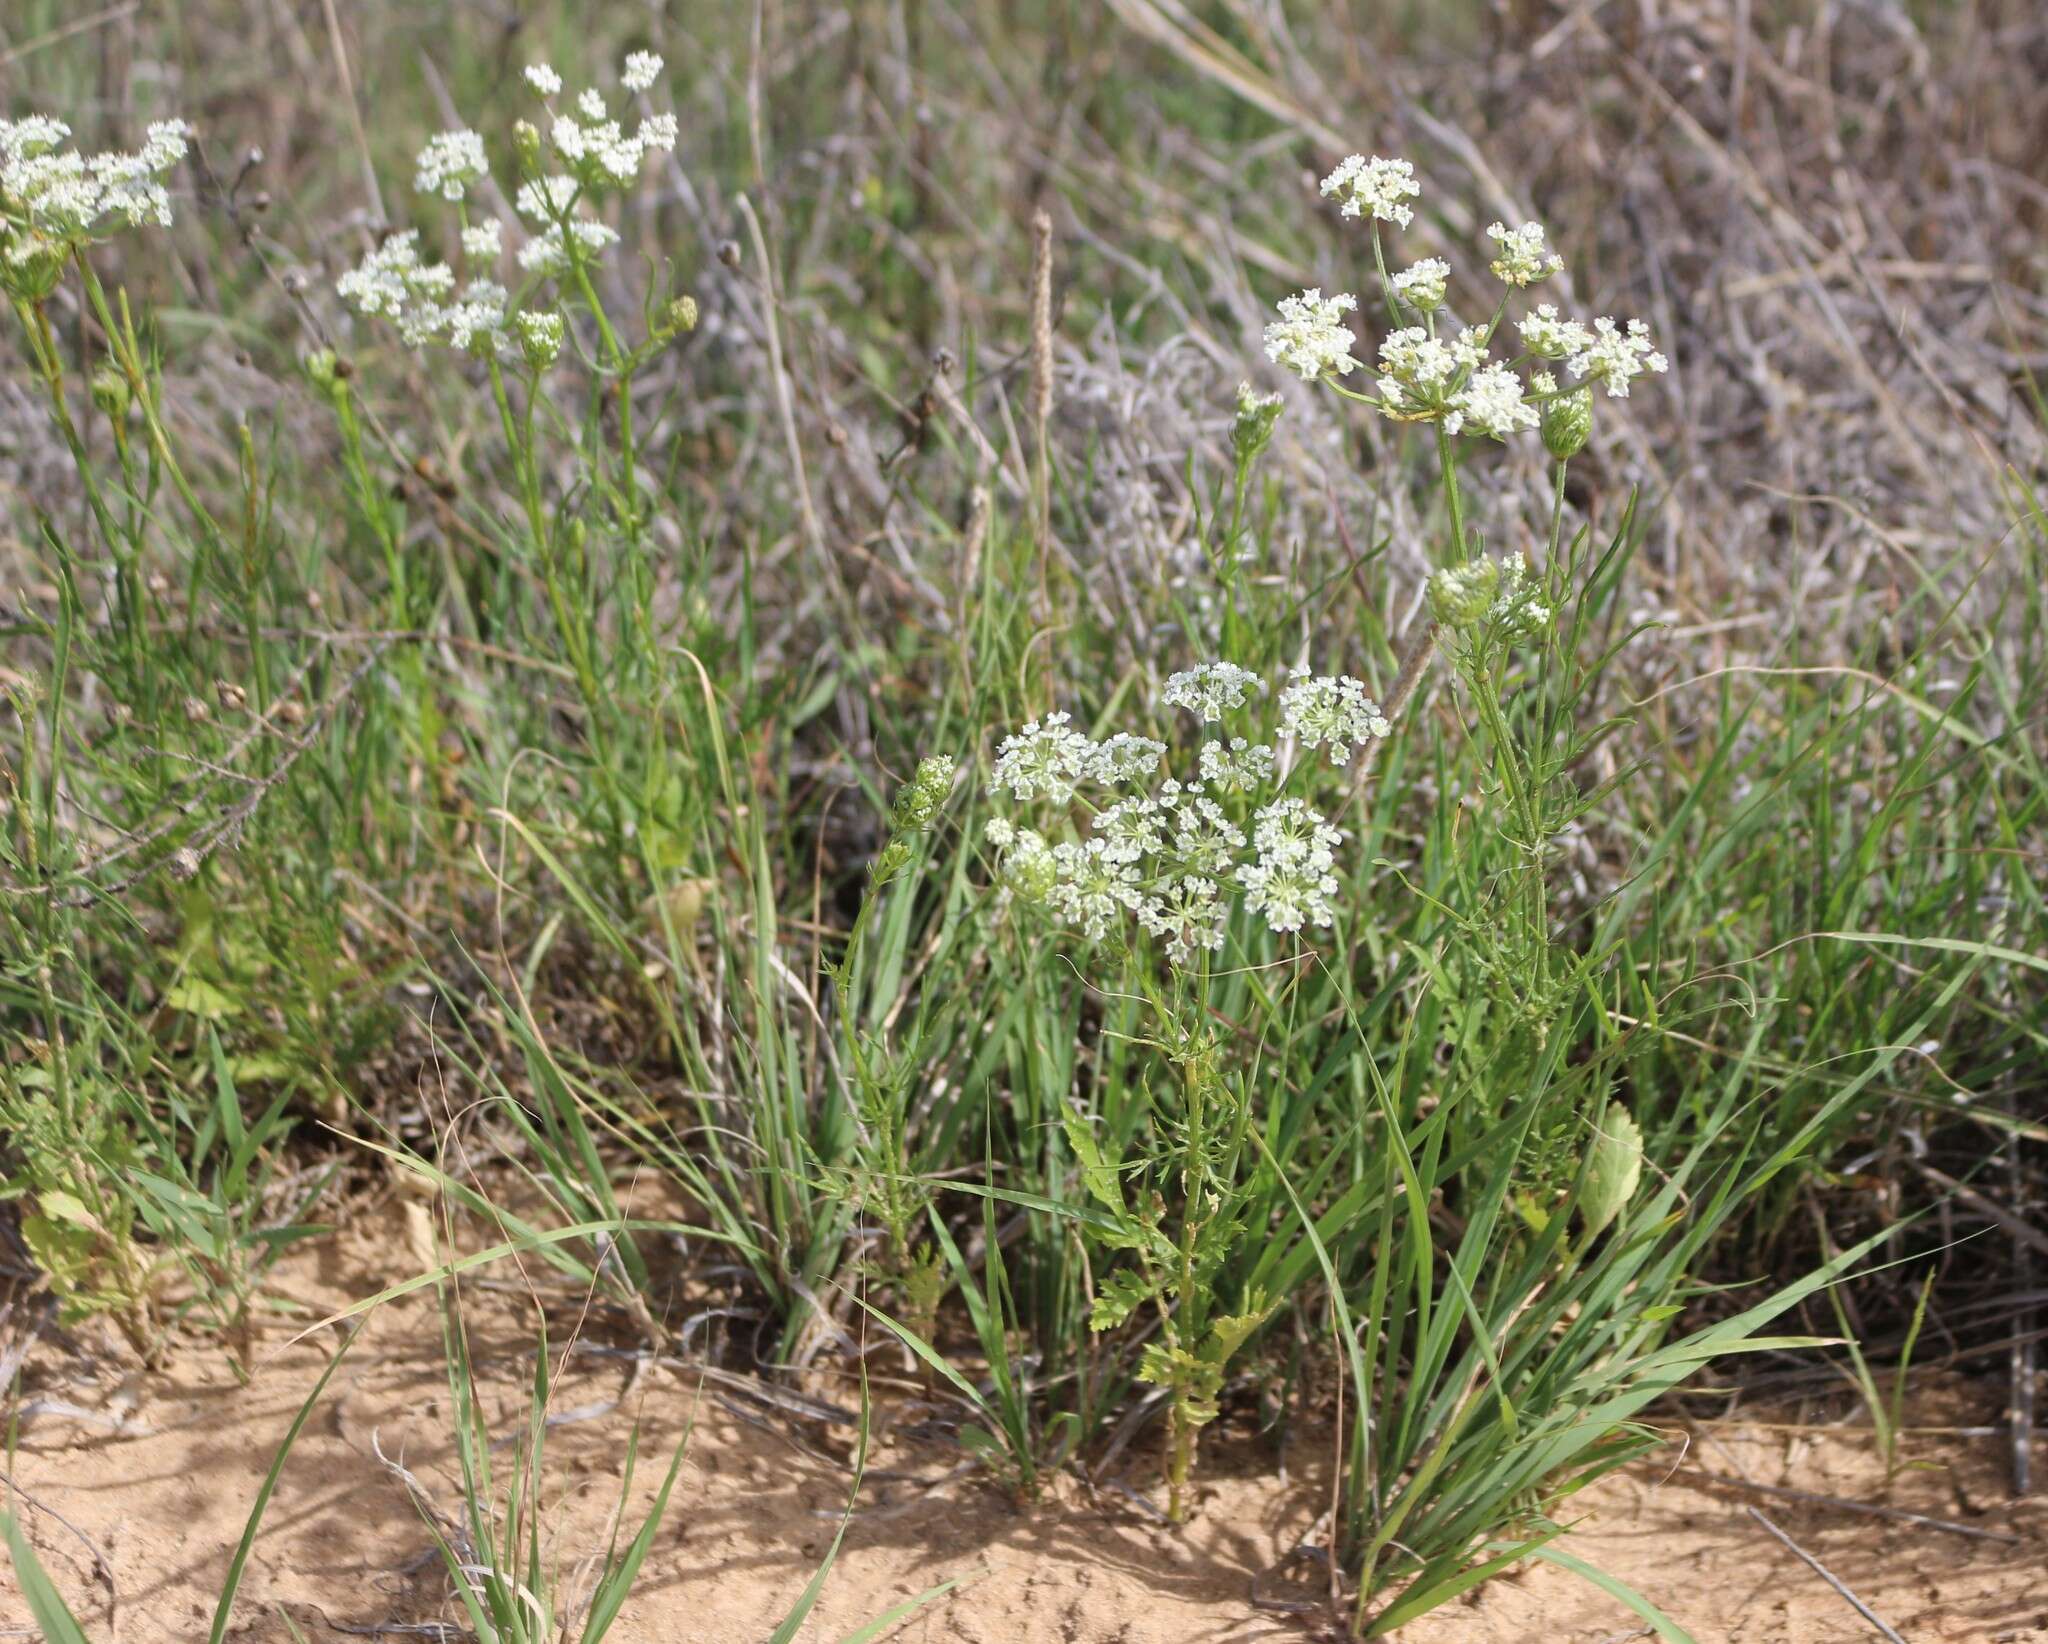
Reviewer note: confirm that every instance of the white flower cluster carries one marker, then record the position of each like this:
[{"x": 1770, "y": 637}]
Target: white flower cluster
[
  {"x": 595, "y": 156},
  {"x": 1523, "y": 258},
  {"x": 1310, "y": 338},
  {"x": 1333, "y": 713},
  {"x": 1290, "y": 882},
  {"x": 1374, "y": 188},
  {"x": 1615, "y": 358},
  {"x": 52, "y": 197},
  {"x": 395, "y": 282},
  {"x": 1454, "y": 380},
  {"x": 1424, "y": 285},
  {"x": 449, "y": 164},
  {"x": 597, "y": 152},
  {"x": 1177, "y": 857},
  {"x": 1426, "y": 380},
  {"x": 1209, "y": 690}
]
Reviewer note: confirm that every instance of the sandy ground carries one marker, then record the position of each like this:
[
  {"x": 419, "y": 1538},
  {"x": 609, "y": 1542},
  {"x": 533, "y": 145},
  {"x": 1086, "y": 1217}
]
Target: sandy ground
[{"x": 157, "y": 1473}]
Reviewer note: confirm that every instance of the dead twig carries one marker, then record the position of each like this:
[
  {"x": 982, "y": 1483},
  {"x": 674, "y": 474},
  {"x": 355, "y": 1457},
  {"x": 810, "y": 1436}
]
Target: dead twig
[{"x": 1827, "y": 1575}]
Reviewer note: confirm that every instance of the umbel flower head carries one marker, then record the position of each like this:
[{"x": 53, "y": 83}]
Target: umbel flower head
[
  {"x": 1428, "y": 373},
  {"x": 1523, "y": 258},
  {"x": 53, "y": 199},
  {"x": 1177, "y": 857},
  {"x": 1373, "y": 188},
  {"x": 1309, "y": 338},
  {"x": 585, "y": 156}
]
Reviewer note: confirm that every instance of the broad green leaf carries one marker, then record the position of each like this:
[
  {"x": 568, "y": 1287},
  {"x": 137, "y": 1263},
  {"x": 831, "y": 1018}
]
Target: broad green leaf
[{"x": 1613, "y": 1170}]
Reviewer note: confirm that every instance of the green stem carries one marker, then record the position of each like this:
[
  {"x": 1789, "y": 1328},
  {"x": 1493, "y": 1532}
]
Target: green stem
[{"x": 1453, "y": 500}]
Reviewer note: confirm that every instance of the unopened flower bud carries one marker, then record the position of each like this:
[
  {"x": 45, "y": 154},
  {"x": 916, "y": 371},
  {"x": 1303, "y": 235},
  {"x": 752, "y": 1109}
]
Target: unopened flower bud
[
  {"x": 1256, "y": 416},
  {"x": 230, "y": 695},
  {"x": 1567, "y": 423},
  {"x": 110, "y": 392},
  {"x": 196, "y": 710},
  {"x": 678, "y": 318},
  {"x": 924, "y": 794},
  {"x": 526, "y": 144},
  {"x": 1462, "y": 594},
  {"x": 540, "y": 338},
  {"x": 32, "y": 266}
]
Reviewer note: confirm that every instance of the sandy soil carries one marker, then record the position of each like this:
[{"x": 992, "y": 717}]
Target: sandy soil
[{"x": 157, "y": 1473}]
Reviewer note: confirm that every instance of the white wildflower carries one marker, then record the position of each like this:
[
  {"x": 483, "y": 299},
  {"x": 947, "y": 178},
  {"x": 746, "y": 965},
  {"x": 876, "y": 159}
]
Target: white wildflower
[
  {"x": 1523, "y": 258},
  {"x": 56, "y": 196},
  {"x": 546, "y": 198},
  {"x": 1204, "y": 837},
  {"x": 1468, "y": 348},
  {"x": 1516, "y": 612},
  {"x": 1289, "y": 896},
  {"x": 642, "y": 69},
  {"x": 1290, "y": 832},
  {"x": 484, "y": 241},
  {"x": 567, "y": 135},
  {"x": 1332, "y": 712},
  {"x": 475, "y": 322},
  {"x": 1189, "y": 914},
  {"x": 1026, "y": 860},
  {"x": 30, "y": 136},
  {"x": 1091, "y": 888},
  {"x": 1550, "y": 338},
  {"x": 1126, "y": 758},
  {"x": 1209, "y": 690},
  {"x": 1131, "y": 829},
  {"x": 1491, "y": 402},
  {"x": 591, "y": 104},
  {"x": 1237, "y": 766},
  {"x": 1416, "y": 373},
  {"x": 449, "y": 163},
  {"x": 391, "y": 280},
  {"x": 543, "y": 79},
  {"x": 547, "y": 253},
  {"x": 1046, "y": 758},
  {"x": 1614, "y": 358},
  {"x": 1374, "y": 187},
  {"x": 1308, "y": 339},
  {"x": 1424, "y": 285}
]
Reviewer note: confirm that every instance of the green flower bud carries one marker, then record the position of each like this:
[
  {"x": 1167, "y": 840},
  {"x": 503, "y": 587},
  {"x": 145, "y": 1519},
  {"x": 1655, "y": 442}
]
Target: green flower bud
[
  {"x": 326, "y": 372},
  {"x": 110, "y": 392},
  {"x": 540, "y": 338},
  {"x": 918, "y": 805},
  {"x": 1256, "y": 416},
  {"x": 1567, "y": 423},
  {"x": 526, "y": 144},
  {"x": 678, "y": 318},
  {"x": 1461, "y": 595},
  {"x": 31, "y": 264}
]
